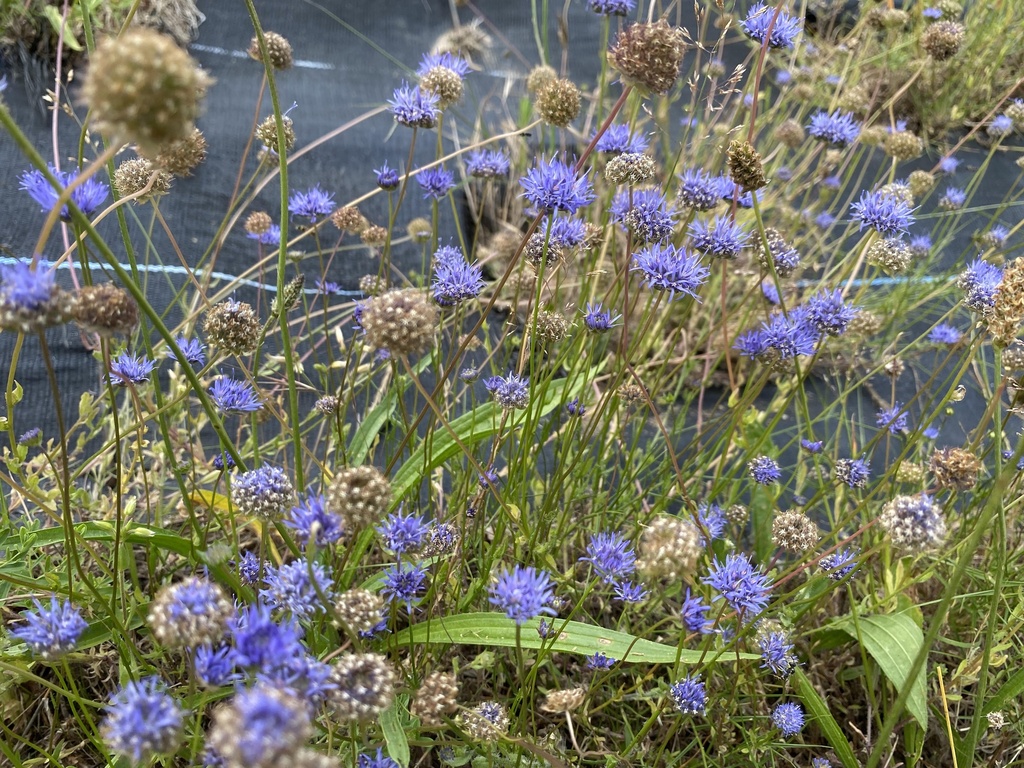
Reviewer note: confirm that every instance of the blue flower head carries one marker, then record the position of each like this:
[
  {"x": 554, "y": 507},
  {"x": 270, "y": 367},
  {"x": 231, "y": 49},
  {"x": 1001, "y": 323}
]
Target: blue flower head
[
  {"x": 689, "y": 695},
  {"x": 24, "y": 288},
  {"x": 51, "y": 632},
  {"x": 88, "y": 197},
  {"x": 892, "y": 419},
  {"x": 142, "y": 720},
  {"x": 694, "y": 613},
  {"x": 854, "y": 473},
  {"x": 979, "y": 283},
  {"x": 404, "y": 583},
  {"x": 296, "y": 588},
  {"x": 447, "y": 60},
  {"x": 953, "y": 199},
  {"x": 628, "y": 592},
  {"x": 600, "y": 661},
  {"x": 414, "y": 108},
  {"x": 745, "y": 588},
  {"x": 380, "y": 760},
  {"x": 313, "y": 204},
  {"x": 312, "y": 521},
  {"x": 271, "y": 237},
  {"x": 553, "y": 186},
  {"x": 1001, "y": 125},
  {"x": 644, "y": 213},
  {"x": 788, "y": 718},
  {"x": 887, "y": 214},
  {"x": 234, "y": 396},
  {"x": 597, "y": 319},
  {"x": 612, "y": 7},
  {"x": 610, "y": 556},
  {"x": 758, "y": 26},
  {"x": 215, "y": 667},
  {"x": 193, "y": 350},
  {"x": 712, "y": 520},
  {"x": 671, "y": 269},
  {"x": 943, "y": 333},
  {"x": 838, "y": 129},
  {"x": 436, "y": 183},
  {"x": 260, "y": 642},
  {"x": 403, "y": 533},
  {"x": 523, "y": 593},
  {"x": 618, "y": 139},
  {"x": 840, "y": 563},
  {"x": 765, "y": 470},
  {"x": 270, "y": 724},
  {"x": 128, "y": 369},
  {"x": 699, "y": 190},
  {"x": 487, "y": 163},
  {"x": 722, "y": 238},
  {"x": 828, "y": 312},
  {"x": 387, "y": 178},
  {"x": 455, "y": 280},
  {"x": 512, "y": 391},
  {"x": 777, "y": 653},
  {"x": 948, "y": 164}
]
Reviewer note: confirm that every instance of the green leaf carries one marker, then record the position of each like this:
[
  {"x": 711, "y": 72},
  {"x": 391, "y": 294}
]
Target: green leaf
[
  {"x": 472, "y": 428},
  {"x": 1010, "y": 690},
  {"x": 393, "y": 728},
  {"x": 496, "y": 629},
  {"x": 53, "y": 14},
  {"x": 823, "y": 718},
  {"x": 363, "y": 439},
  {"x": 893, "y": 640}
]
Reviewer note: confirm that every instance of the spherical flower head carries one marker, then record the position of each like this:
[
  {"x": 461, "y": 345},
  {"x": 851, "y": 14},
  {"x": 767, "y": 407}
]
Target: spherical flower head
[
  {"x": 215, "y": 667},
  {"x": 840, "y": 563},
  {"x": 694, "y": 613},
  {"x": 612, "y": 7},
  {"x": 943, "y": 333},
  {"x": 1001, "y": 126},
  {"x": 364, "y": 687},
  {"x": 487, "y": 164},
  {"x": 788, "y": 718},
  {"x": 745, "y": 588},
  {"x": 509, "y": 392},
  {"x": 436, "y": 183},
  {"x": 313, "y": 204},
  {"x": 553, "y": 186},
  {"x": 699, "y": 190},
  {"x": 296, "y": 588},
  {"x": 404, "y": 583},
  {"x": 948, "y": 165},
  {"x": 403, "y": 533},
  {"x": 722, "y": 238},
  {"x": 234, "y": 396},
  {"x": 51, "y": 632},
  {"x": 260, "y": 642},
  {"x": 189, "y": 614},
  {"x": 913, "y": 523},
  {"x": 839, "y": 129},
  {"x": 953, "y": 199},
  {"x": 671, "y": 269},
  {"x": 629, "y": 592},
  {"x": 401, "y": 321},
  {"x": 24, "y": 288},
  {"x": 689, "y": 695},
  {"x": 313, "y": 522},
  {"x": 414, "y": 108},
  {"x": 887, "y": 214},
  {"x": 854, "y": 473},
  {"x": 764, "y": 470},
  {"x": 758, "y": 26},
  {"x": 610, "y": 556},
  {"x": 380, "y": 760},
  {"x": 142, "y": 720},
  {"x": 600, "y": 661},
  {"x": 233, "y": 326},
  {"x": 597, "y": 319},
  {"x": 487, "y": 721},
  {"x": 262, "y": 727},
  {"x": 712, "y": 521},
  {"x": 265, "y": 493},
  {"x": 87, "y": 197},
  {"x": 644, "y": 213},
  {"x": 360, "y": 495},
  {"x": 618, "y": 139},
  {"x": 777, "y": 653},
  {"x": 193, "y": 350},
  {"x": 829, "y": 313},
  {"x": 455, "y": 280},
  {"x": 523, "y": 593},
  {"x": 649, "y": 55},
  {"x": 979, "y": 283},
  {"x": 387, "y": 178},
  {"x": 128, "y": 369},
  {"x": 892, "y": 419}
]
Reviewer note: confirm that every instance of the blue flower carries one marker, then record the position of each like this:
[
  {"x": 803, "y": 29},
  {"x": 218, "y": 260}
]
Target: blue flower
[
  {"x": 712, "y": 519},
  {"x": 892, "y": 419},
  {"x": 647, "y": 218},
  {"x": 87, "y": 197},
  {"x": 128, "y": 369},
  {"x": 264, "y": 725},
  {"x": 403, "y": 533},
  {"x": 565, "y": 231},
  {"x": 404, "y": 583},
  {"x": 380, "y": 760},
  {"x": 953, "y": 199},
  {"x": 783, "y": 77},
  {"x": 512, "y": 391},
  {"x": 142, "y": 720},
  {"x": 667, "y": 268},
  {"x": 234, "y": 396},
  {"x": 699, "y": 190},
  {"x": 575, "y": 408},
  {"x": 51, "y": 632},
  {"x": 414, "y": 108},
  {"x": 312, "y": 521},
  {"x": 887, "y": 214},
  {"x": 193, "y": 350},
  {"x": 296, "y": 588},
  {"x": 689, "y": 695},
  {"x": 854, "y": 473},
  {"x": 948, "y": 164},
  {"x": 943, "y": 333},
  {"x": 979, "y": 283},
  {"x": 32, "y": 437},
  {"x": 811, "y": 446},
  {"x": 777, "y": 653},
  {"x": 745, "y": 588},
  {"x": 271, "y": 237},
  {"x": 312, "y": 204},
  {"x": 694, "y": 612},
  {"x": 448, "y": 60},
  {"x": 825, "y": 220},
  {"x": 597, "y": 319},
  {"x": 769, "y": 291},
  {"x": 215, "y": 667},
  {"x": 764, "y": 470},
  {"x": 387, "y": 178},
  {"x": 435, "y": 183},
  {"x": 838, "y": 129},
  {"x": 600, "y": 661},
  {"x": 259, "y": 642},
  {"x": 827, "y": 312},
  {"x": 930, "y": 433},
  {"x": 723, "y": 237},
  {"x": 997, "y": 236},
  {"x": 618, "y": 139},
  {"x": 24, "y": 288},
  {"x": 302, "y": 674},
  {"x": 612, "y": 7},
  {"x": 840, "y": 563},
  {"x": 523, "y": 593},
  {"x": 248, "y": 567},
  {"x": 1001, "y": 125},
  {"x": 554, "y": 186},
  {"x": 487, "y": 163},
  {"x": 628, "y": 592},
  {"x": 455, "y": 280},
  {"x": 920, "y": 245},
  {"x": 783, "y": 32},
  {"x": 788, "y": 718},
  {"x": 611, "y": 556}
]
